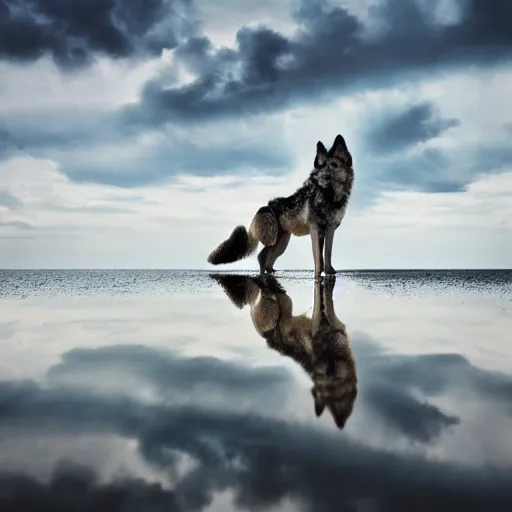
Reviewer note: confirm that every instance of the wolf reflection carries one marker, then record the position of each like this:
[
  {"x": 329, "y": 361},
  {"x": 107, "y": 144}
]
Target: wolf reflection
[{"x": 319, "y": 344}]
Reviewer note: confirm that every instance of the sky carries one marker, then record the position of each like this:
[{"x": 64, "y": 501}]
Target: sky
[{"x": 139, "y": 133}]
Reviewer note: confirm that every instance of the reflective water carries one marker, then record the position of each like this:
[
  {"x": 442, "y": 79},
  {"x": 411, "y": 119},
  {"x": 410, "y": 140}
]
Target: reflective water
[{"x": 161, "y": 390}]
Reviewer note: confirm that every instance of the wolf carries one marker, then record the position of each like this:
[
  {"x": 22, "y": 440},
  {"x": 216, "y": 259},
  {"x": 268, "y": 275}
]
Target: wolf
[
  {"x": 320, "y": 344},
  {"x": 316, "y": 208}
]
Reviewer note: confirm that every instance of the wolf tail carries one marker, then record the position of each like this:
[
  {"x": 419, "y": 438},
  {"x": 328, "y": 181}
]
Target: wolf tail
[{"x": 242, "y": 242}]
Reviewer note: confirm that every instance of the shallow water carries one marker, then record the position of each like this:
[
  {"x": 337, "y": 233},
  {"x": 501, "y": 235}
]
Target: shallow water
[{"x": 152, "y": 390}]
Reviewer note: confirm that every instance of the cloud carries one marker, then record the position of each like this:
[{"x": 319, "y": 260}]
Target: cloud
[
  {"x": 16, "y": 224},
  {"x": 436, "y": 373},
  {"x": 8, "y": 200},
  {"x": 210, "y": 381},
  {"x": 412, "y": 124},
  {"x": 76, "y": 487},
  {"x": 131, "y": 157},
  {"x": 171, "y": 375},
  {"x": 497, "y": 157},
  {"x": 421, "y": 422},
  {"x": 74, "y": 34},
  {"x": 170, "y": 221},
  {"x": 222, "y": 19},
  {"x": 216, "y": 383},
  {"x": 107, "y": 144},
  {"x": 96, "y": 146},
  {"x": 409, "y": 145},
  {"x": 8, "y": 145},
  {"x": 260, "y": 458},
  {"x": 451, "y": 170},
  {"x": 485, "y": 203},
  {"x": 394, "y": 382},
  {"x": 330, "y": 52},
  {"x": 426, "y": 170},
  {"x": 161, "y": 157}
]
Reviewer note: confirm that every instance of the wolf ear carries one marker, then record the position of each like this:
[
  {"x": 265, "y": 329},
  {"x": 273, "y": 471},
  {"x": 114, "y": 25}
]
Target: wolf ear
[
  {"x": 339, "y": 149},
  {"x": 319, "y": 403},
  {"x": 319, "y": 407},
  {"x": 321, "y": 155}
]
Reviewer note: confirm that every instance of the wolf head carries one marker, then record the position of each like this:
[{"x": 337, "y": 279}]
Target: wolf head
[
  {"x": 338, "y": 158},
  {"x": 340, "y": 407}
]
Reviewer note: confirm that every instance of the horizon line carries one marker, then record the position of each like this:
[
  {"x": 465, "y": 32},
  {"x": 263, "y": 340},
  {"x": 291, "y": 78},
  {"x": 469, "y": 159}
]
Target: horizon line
[{"x": 433, "y": 269}]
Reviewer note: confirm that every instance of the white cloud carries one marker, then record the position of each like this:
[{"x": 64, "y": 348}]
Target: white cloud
[
  {"x": 469, "y": 229},
  {"x": 221, "y": 20},
  {"x": 42, "y": 87},
  {"x": 485, "y": 204}
]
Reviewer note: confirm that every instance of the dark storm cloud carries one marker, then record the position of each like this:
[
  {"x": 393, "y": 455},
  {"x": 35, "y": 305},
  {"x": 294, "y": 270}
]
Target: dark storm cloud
[
  {"x": 496, "y": 157},
  {"x": 57, "y": 131},
  {"x": 233, "y": 150},
  {"x": 8, "y": 145},
  {"x": 432, "y": 169},
  {"x": 400, "y": 129},
  {"x": 421, "y": 422},
  {"x": 73, "y": 32},
  {"x": 261, "y": 459},
  {"x": 73, "y": 487},
  {"x": 429, "y": 171},
  {"x": 390, "y": 136},
  {"x": 433, "y": 374},
  {"x": 265, "y": 72},
  {"x": 185, "y": 158},
  {"x": 330, "y": 53},
  {"x": 394, "y": 380}
]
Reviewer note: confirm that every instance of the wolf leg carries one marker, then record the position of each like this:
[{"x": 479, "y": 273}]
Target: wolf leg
[
  {"x": 274, "y": 251},
  {"x": 321, "y": 237},
  {"x": 317, "y": 308},
  {"x": 263, "y": 258},
  {"x": 329, "y": 238},
  {"x": 317, "y": 240},
  {"x": 330, "y": 313}
]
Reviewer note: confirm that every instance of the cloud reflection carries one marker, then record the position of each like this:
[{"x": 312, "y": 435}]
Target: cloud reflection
[
  {"x": 262, "y": 460},
  {"x": 231, "y": 420}
]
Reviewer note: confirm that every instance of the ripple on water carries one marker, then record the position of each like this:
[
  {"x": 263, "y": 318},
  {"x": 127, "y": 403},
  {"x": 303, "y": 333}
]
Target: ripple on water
[{"x": 19, "y": 284}]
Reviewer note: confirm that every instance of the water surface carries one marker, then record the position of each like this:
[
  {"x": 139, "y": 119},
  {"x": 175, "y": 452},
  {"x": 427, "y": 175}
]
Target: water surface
[{"x": 152, "y": 390}]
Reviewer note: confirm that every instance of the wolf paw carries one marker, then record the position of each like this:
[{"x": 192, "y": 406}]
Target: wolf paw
[{"x": 330, "y": 271}]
